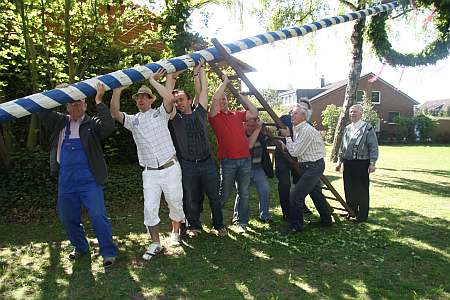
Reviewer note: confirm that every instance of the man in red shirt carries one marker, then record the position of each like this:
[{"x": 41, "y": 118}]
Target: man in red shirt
[{"x": 233, "y": 151}]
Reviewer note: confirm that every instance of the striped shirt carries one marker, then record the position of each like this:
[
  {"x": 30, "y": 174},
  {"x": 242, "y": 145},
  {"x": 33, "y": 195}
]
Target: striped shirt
[
  {"x": 151, "y": 135},
  {"x": 307, "y": 144}
]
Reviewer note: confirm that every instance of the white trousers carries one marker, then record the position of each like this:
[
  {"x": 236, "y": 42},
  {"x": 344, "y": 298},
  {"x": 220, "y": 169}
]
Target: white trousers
[{"x": 169, "y": 182}]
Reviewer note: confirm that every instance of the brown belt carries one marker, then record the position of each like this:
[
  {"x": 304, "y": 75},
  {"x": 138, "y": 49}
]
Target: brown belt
[{"x": 168, "y": 164}]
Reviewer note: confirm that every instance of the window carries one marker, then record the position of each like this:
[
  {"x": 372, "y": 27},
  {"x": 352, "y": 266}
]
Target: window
[
  {"x": 288, "y": 99},
  {"x": 392, "y": 115},
  {"x": 376, "y": 97},
  {"x": 360, "y": 96}
]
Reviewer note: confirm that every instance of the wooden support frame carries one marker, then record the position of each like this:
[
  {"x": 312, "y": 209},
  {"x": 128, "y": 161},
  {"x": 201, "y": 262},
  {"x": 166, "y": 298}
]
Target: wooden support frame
[{"x": 236, "y": 65}]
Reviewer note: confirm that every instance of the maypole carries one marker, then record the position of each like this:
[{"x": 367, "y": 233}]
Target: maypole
[{"x": 49, "y": 99}]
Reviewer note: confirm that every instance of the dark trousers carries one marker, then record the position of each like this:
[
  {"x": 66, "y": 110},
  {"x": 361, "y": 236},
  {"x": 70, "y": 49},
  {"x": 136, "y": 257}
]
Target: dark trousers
[
  {"x": 308, "y": 183},
  {"x": 284, "y": 174},
  {"x": 198, "y": 178},
  {"x": 356, "y": 186}
]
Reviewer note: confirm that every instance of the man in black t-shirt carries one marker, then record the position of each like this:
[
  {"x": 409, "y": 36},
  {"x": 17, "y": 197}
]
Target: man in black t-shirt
[{"x": 200, "y": 173}]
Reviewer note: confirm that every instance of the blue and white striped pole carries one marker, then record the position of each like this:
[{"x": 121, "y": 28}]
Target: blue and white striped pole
[{"x": 49, "y": 99}]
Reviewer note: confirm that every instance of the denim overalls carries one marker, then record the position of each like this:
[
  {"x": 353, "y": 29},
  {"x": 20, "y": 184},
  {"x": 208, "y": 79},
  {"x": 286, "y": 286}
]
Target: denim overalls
[{"x": 76, "y": 186}]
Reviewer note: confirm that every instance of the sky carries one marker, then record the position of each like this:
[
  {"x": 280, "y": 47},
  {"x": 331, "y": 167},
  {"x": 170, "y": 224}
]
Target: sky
[{"x": 289, "y": 64}]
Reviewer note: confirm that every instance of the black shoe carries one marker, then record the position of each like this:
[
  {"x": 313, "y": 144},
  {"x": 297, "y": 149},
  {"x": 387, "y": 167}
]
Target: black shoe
[
  {"x": 267, "y": 221},
  {"x": 183, "y": 230},
  {"x": 108, "y": 262},
  {"x": 290, "y": 231},
  {"x": 75, "y": 254},
  {"x": 320, "y": 224}
]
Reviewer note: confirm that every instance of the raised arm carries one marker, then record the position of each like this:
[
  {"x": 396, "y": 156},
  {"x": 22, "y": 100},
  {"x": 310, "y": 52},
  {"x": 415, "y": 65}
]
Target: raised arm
[
  {"x": 114, "y": 105},
  {"x": 203, "y": 81},
  {"x": 103, "y": 122},
  {"x": 50, "y": 118},
  {"x": 197, "y": 84},
  {"x": 215, "y": 103},
  {"x": 165, "y": 93},
  {"x": 171, "y": 80},
  {"x": 254, "y": 136},
  {"x": 252, "y": 111}
]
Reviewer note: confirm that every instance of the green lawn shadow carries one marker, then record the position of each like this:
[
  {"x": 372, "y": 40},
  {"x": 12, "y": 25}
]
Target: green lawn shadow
[
  {"x": 424, "y": 187},
  {"x": 379, "y": 259}
]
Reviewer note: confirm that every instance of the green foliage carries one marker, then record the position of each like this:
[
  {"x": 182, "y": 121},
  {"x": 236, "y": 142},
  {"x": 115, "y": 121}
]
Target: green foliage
[
  {"x": 28, "y": 188},
  {"x": 406, "y": 127},
  {"x": 271, "y": 97},
  {"x": 330, "y": 117},
  {"x": 431, "y": 53},
  {"x": 423, "y": 124},
  {"x": 174, "y": 29},
  {"x": 425, "y": 127},
  {"x": 97, "y": 30},
  {"x": 287, "y": 13},
  {"x": 369, "y": 114}
]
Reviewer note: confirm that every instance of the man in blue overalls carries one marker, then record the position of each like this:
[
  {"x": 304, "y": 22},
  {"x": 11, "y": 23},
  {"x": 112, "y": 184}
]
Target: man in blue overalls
[{"x": 76, "y": 156}]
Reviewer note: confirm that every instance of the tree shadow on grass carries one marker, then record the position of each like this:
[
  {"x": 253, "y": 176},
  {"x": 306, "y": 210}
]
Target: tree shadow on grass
[
  {"x": 398, "y": 254},
  {"x": 443, "y": 173},
  {"x": 380, "y": 258},
  {"x": 424, "y": 187}
]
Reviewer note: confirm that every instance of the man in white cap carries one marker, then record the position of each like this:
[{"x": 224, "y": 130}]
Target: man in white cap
[{"x": 156, "y": 153}]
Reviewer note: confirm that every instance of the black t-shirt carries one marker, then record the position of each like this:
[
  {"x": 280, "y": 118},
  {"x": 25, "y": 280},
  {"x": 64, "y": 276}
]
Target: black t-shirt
[{"x": 192, "y": 134}]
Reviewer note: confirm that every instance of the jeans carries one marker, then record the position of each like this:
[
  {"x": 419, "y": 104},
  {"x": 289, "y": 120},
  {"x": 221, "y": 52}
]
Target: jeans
[
  {"x": 236, "y": 172},
  {"x": 259, "y": 178},
  {"x": 198, "y": 178},
  {"x": 308, "y": 183}
]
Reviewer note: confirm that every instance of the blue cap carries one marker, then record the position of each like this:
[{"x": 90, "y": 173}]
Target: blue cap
[{"x": 286, "y": 119}]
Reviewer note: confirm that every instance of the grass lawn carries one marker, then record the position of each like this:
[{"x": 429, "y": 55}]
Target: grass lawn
[{"x": 403, "y": 252}]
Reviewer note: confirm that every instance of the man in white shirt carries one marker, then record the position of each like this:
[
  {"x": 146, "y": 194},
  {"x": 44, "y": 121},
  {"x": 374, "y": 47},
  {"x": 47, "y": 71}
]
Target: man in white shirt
[
  {"x": 156, "y": 153},
  {"x": 307, "y": 145}
]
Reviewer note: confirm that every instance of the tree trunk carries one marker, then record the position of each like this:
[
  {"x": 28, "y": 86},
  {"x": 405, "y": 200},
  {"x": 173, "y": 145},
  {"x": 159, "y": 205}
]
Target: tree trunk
[
  {"x": 5, "y": 141},
  {"x": 67, "y": 36},
  {"x": 33, "y": 130},
  {"x": 48, "y": 70},
  {"x": 5, "y": 157},
  {"x": 352, "y": 86}
]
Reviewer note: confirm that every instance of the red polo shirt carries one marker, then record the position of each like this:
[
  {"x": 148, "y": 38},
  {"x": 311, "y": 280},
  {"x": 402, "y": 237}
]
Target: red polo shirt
[{"x": 230, "y": 133}]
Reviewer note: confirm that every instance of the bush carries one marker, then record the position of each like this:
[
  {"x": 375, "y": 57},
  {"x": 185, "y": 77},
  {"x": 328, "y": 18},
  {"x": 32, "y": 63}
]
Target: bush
[
  {"x": 406, "y": 127},
  {"x": 421, "y": 124},
  {"x": 28, "y": 191},
  {"x": 28, "y": 188},
  {"x": 330, "y": 117},
  {"x": 425, "y": 127}
]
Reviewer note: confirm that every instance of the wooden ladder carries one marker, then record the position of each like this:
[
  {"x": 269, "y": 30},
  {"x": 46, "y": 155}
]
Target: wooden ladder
[{"x": 240, "y": 68}]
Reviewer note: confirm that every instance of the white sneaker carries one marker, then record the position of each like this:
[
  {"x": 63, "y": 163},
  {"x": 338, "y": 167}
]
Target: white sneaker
[
  {"x": 174, "y": 239},
  {"x": 152, "y": 251}
]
